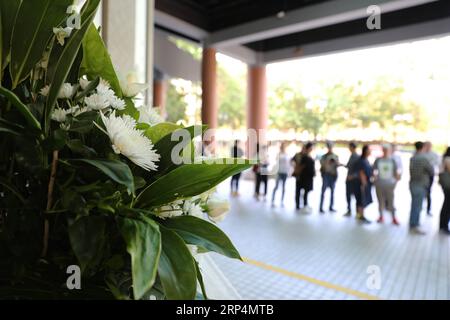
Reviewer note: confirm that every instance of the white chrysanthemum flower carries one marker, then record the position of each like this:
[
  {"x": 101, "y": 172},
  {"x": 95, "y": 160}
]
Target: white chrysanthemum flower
[
  {"x": 129, "y": 141},
  {"x": 104, "y": 89},
  {"x": 60, "y": 115},
  {"x": 171, "y": 210},
  {"x": 192, "y": 209},
  {"x": 149, "y": 115},
  {"x": 84, "y": 83},
  {"x": 66, "y": 91},
  {"x": 96, "y": 102},
  {"x": 62, "y": 34},
  {"x": 44, "y": 91},
  {"x": 129, "y": 121},
  {"x": 117, "y": 103},
  {"x": 218, "y": 208}
]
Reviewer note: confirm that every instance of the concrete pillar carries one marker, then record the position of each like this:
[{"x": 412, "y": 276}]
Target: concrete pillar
[
  {"x": 210, "y": 103},
  {"x": 159, "y": 94},
  {"x": 257, "y": 106}
]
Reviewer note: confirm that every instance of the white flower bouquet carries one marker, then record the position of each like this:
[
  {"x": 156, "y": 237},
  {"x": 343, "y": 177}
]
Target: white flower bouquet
[{"x": 87, "y": 179}]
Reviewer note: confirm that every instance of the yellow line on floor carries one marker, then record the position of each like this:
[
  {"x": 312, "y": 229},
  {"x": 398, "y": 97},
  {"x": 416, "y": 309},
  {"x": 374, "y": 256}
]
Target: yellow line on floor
[{"x": 318, "y": 282}]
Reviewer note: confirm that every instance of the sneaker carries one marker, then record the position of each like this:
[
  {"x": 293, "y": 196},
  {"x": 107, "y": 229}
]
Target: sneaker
[
  {"x": 348, "y": 214},
  {"x": 445, "y": 231},
  {"x": 321, "y": 211},
  {"x": 395, "y": 221},
  {"x": 429, "y": 214},
  {"x": 363, "y": 219},
  {"x": 332, "y": 210},
  {"x": 380, "y": 219},
  {"x": 417, "y": 231},
  {"x": 307, "y": 209}
]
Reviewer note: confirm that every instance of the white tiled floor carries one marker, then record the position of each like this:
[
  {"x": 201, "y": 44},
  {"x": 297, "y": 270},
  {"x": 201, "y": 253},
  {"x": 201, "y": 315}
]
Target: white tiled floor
[{"x": 333, "y": 249}]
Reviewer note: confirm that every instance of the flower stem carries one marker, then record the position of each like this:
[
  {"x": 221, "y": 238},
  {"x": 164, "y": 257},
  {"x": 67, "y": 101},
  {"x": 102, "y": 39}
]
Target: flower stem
[{"x": 51, "y": 185}]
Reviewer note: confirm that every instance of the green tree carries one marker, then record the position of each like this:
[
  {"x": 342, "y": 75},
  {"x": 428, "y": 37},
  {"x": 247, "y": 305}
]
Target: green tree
[
  {"x": 175, "y": 105},
  {"x": 232, "y": 100}
]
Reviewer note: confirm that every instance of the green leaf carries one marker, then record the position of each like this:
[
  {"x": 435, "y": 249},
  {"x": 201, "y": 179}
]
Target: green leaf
[
  {"x": 200, "y": 280},
  {"x": 87, "y": 238},
  {"x": 116, "y": 170},
  {"x": 77, "y": 146},
  {"x": 160, "y": 130},
  {"x": 66, "y": 59},
  {"x": 8, "y": 14},
  {"x": 166, "y": 145},
  {"x": 130, "y": 109},
  {"x": 176, "y": 267},
  {"x": 96, "y": 60},
  {"x": 10, "y": 127},
  {"x": 187, "y": 181},
  {"x": 74, "y": 73},
  {"x": 23, "y": 109},
  {"x": 143, "y": 241},
  {"x": 6, "y": 184},
  {"x": 56, "y": 141},
  {"x": 203, "y": 234},
  {"x": 35, "y": 21}
]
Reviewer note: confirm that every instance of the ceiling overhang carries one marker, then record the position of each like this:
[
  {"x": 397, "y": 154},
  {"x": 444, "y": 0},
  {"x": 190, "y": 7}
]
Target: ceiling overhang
[{"x": 319, "y": 28}]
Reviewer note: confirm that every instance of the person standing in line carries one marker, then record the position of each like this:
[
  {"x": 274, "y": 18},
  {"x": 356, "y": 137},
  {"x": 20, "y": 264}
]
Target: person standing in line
[
  {"x": 305, "y": 178},
  {"x": 396, "y": 155},
  {"x": 236, "y": 152},
  {"x": 297, "y": 164},
  {"x": 444, "y": 156},
  {"x": 363, "y": 187},
  {"x": 433, "y": 159},
  {"x": 283, "y": 171},
  {"x": 420, "y": 170},
  {"x": 261, "y": 171},
  {"x": 329, "y": 163},
  {"x": 352, "y": 176},
  {"x": 386, "y": 177},
  {"x": 444, "y": 181}
]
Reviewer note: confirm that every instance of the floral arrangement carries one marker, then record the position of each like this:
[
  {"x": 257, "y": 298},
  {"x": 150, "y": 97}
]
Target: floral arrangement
[{"x": 88, "y": 179}]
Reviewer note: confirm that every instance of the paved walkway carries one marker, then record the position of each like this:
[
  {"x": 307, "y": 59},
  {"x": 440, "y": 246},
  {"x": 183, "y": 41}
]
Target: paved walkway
[{"x": 297, "y": 256}]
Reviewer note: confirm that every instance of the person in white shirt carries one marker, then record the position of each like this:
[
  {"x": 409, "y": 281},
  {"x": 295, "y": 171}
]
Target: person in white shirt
[
  {"x": 386, "y": 177},
  {"x": 283, "y": 171},
  {"x": 398, "y": 159}
]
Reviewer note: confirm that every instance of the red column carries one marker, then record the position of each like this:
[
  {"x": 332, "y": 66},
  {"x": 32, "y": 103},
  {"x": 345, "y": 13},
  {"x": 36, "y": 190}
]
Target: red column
[
  {"x": 257, "y": 112},
  {"x": 159, "y": 95},
  {"x": 210, "y": 103}
]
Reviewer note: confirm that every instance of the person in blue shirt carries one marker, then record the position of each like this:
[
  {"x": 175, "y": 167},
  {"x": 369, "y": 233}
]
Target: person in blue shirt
[{"x": 363, "y": 186}]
